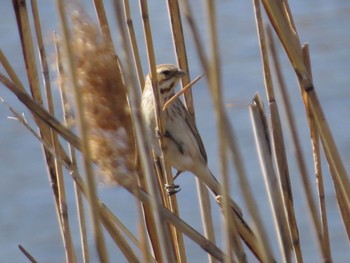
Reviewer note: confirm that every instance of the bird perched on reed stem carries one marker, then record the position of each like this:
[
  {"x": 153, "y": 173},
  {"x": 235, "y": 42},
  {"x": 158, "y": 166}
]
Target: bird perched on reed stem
[{"x": 185, "y": 149}]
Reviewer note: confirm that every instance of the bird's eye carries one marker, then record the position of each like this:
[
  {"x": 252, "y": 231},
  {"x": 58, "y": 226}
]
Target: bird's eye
[{"x": 166, "y": 73}]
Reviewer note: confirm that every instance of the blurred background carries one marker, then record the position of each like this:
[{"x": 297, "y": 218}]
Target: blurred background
[{"x": 28, "y": 216}]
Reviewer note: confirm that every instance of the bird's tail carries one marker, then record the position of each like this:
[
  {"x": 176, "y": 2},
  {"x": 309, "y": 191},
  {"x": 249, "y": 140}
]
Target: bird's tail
[
  {"x": 214, "y": 186},
  {"x": 243, "y": 228}
]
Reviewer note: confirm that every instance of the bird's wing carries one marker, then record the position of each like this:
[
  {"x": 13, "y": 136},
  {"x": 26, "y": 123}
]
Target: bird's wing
[{"x": 191, "y": 124}]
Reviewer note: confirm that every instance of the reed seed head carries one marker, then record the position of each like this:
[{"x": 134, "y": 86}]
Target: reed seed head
[{"x": 104, "y": 99}]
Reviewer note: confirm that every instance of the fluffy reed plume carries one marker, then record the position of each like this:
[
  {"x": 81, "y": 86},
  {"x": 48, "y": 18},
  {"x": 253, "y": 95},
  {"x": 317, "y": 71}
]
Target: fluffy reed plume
[{"x": 105, "y": 106}]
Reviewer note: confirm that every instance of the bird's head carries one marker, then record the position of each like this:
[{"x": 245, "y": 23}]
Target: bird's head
[{"x": 168, "y": 76}]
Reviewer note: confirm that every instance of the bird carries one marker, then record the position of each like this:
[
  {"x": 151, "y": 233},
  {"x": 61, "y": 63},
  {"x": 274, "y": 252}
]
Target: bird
[{"x": 185, "y": 149}]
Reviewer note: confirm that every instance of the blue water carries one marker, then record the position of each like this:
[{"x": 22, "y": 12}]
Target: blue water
[{"x": 28, "y": 216}]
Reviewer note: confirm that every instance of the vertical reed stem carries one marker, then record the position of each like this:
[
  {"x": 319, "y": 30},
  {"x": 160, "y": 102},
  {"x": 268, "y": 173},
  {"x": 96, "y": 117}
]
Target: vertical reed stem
[
  {"x": 133, "y": 42},
  {"x": 92, "y": 193},
  {"x": 78, "y": 194},
  {"x": 317, "y": 163},
  {"x": 299, "y": 156}
]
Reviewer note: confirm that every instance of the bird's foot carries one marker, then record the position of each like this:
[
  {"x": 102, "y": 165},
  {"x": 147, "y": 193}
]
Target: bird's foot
[{"x": 172, "y": 189}]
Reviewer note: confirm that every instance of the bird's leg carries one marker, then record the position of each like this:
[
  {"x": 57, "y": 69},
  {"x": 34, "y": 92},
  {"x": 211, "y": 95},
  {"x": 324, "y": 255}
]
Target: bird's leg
[
  {"x": 169, "y": 188},
  {"x": 173, "y": 188}
]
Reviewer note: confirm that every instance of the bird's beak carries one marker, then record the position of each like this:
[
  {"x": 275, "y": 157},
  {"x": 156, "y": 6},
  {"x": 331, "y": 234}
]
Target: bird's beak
[{"x": 180, "y": 73}]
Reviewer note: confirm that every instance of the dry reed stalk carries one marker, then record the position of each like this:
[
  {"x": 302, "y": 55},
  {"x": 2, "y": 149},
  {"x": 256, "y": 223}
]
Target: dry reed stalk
[
  {"x": 214, "y": 78},
  {"x": 206, "y": 213},
  {"x": 337, "y": 169},
  {"x": 182, "y": 91},
  {"x": 178, "y": 38},
  {"x": 340, "y": 184},
  {"x": 142, "y": 230},
  {"x": 22, "y": 120},
  {"x": 28, "y": 48},
  {"x": 281, "y": 19},
  {"x": 157, "y": 227},
  {"x": 317, "y": 163},
  {"x": 201, "y": 54},
  {"x": 104, "y": 27},
  {"x": 142, "y": 196},
  {"x": 38, "y": 111},
  {"x": 288, "y": 231},
  {"x": 180, "y": 225},
  {"x": 103, "y": 22},
  {"x": 115, "y": 226},
  {"x": 345, "y": 213},
  {"x": 180, "y": 49},
  {"x": 242, "y": 228},
  {"x": 287, "y": 33},
  {"x": 27, "y": 254},
  {"x": 147, "y": 218},
  {"x": 138, "y": 193},
  {"x": 120, "y": 240},
  {"x": 49, "y": 148},
  {"x": 63, "y": 210},
  {"x": 167, "y": 215},
  {"x": 262, "y": 247},
  {"x": 55, "y": 173},
  {"x": 145, "y": 175},
  {"x": 10, "y": 71},
  {"x": 175, "y": 244},
  {"x": 72, "y": 156},
  {"x": 186, "y": 229},
  {"x": 181, "y": 57},
  {"x": 63, "y": 158},
  {"x": 81, "y": 213},
  {"x": 299, "y": 156},
  {"x": 282, "y": 165},
  {"x": 133, "y": 42},
  {"x": 29, "y": 58},
  {"x": 173, "y": 219},
  {"x": 83, "y": 127},
  {"x": 249, "y": 236},
  {"x": 338, "y": 172},
  {"x": 187, "y": 12},
  {"x": 263, "y": 145},
  {"x": 108, "y": 219},
  {"x": 113, "y": 220},
  {"x": 152, "y": 228},
  {"x": 42, "y": 53}
]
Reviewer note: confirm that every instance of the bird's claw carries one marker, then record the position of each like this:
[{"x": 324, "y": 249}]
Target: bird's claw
[{"x": 172, "y": 189}]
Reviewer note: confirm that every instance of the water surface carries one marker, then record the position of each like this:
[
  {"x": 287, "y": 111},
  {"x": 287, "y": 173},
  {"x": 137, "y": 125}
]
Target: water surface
[{"x": 28, "y": 216}]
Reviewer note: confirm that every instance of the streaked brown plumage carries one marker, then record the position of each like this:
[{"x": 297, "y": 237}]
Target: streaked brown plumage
[{"x": 185, "y": 149}]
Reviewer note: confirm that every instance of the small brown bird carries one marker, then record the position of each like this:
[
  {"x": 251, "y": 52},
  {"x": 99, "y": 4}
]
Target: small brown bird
[{"x": 185, "y": 149}]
